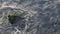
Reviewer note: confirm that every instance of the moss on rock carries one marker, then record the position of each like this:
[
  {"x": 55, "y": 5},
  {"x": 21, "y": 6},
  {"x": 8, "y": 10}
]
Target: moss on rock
[{"x": 13, "y": 17}]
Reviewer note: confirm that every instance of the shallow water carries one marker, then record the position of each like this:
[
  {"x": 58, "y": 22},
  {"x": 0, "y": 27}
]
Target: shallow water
[{"x": 41, "y": 16}]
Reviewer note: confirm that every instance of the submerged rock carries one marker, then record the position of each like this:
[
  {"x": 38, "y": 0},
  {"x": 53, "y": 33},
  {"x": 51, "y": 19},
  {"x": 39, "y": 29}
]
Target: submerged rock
[{"x": 12, "y": 18}]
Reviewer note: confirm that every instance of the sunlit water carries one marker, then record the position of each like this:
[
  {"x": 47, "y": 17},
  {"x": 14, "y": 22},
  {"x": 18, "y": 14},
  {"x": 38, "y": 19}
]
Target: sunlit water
[{"x": 41, "y": 16}]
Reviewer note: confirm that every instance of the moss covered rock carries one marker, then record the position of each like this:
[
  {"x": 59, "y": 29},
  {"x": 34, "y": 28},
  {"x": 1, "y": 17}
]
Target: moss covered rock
[{"x": 13, "y": 17}]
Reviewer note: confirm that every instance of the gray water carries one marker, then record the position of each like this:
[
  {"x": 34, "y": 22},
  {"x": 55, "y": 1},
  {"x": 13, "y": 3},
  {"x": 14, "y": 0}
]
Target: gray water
[{"x": 41, "y": 16}]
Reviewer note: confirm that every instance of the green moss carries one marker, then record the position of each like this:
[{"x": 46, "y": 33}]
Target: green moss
[{"x": 13, "y": 17}]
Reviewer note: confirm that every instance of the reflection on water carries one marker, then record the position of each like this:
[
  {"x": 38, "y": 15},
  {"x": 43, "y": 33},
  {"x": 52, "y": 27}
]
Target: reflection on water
[{"x": 41, "y": 17}]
